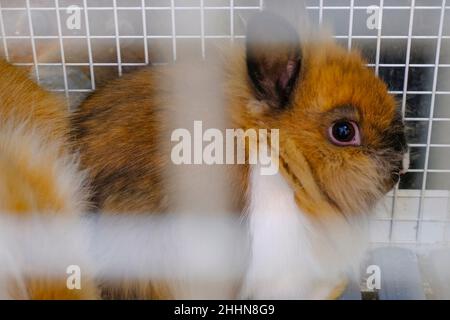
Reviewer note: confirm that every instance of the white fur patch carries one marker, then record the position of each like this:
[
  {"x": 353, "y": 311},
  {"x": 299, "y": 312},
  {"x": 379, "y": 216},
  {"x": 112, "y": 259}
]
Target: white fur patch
[
  {"x": 33, "y": 156},
  {"x": 405, "y": 163},
  {"x": 292, "y": 256}
]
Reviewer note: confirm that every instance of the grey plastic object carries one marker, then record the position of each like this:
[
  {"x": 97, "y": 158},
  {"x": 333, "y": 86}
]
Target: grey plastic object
[{"x": 400, "y": 274}]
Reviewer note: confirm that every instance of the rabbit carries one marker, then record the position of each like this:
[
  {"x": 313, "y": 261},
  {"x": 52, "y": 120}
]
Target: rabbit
[
  {"x": 39, "y": 179},
  {"x": 341, "y": 148}
]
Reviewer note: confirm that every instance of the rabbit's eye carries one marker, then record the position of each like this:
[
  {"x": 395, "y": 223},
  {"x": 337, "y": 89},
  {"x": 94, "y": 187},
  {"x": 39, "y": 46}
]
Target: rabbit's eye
[{"x": 344, "y": 133}]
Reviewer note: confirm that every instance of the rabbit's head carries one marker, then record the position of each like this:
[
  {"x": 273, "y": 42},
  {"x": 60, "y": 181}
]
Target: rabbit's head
[{"x": 338, "y": 124}]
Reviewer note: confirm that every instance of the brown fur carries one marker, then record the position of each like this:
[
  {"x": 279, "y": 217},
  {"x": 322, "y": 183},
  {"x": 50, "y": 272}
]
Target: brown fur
[
  {"x": 34, "y": 156},
  {"x": 119, "y": 131},
  {"x": 344, "y": 81},
  {"x": 25, "y": 102}
]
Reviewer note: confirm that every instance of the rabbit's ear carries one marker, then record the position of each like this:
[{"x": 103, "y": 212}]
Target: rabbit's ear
[{"x": 273, "y": 56}]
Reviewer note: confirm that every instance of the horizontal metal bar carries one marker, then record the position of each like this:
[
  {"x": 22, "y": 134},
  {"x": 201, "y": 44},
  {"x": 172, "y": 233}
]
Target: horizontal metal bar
[
  {"x": 223, "y": 8},
  {"x": 431, "y": 170},
  {"x": 410, "y": 220},
  {"x": 220, "y": 36},
  {"x": 433, "y": 145}
]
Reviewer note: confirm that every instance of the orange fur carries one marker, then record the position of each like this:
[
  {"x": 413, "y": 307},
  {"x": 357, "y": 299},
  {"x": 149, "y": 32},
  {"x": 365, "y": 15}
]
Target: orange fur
[
  {"x": 120, "y": 130},
  {"x": 24, "y": 101},
  {"x": 37, "y": 173},
  {"x": 344, "y": 81}
]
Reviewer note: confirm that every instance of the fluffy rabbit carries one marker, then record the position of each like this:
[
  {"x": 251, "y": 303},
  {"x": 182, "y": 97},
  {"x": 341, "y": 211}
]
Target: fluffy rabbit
[{"x": 341, "y": 148}]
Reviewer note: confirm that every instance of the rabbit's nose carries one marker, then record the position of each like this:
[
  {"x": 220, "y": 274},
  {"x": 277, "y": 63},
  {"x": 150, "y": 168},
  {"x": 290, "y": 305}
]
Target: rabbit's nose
[{"x": 405, "y": 163}]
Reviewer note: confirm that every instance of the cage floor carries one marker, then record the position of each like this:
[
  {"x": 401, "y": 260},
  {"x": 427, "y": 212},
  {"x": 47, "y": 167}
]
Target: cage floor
[{"x": 404, "y": 273}]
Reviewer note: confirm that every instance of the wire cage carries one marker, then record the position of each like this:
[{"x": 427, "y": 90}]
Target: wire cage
[{"x": 408, "y": 46}]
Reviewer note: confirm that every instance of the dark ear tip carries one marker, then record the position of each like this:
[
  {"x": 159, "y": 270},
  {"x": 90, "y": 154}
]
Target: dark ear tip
[{"x": 273, "y": 54}]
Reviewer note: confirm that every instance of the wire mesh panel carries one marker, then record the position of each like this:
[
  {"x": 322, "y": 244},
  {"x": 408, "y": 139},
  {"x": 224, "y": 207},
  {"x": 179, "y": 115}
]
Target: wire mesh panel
[{"x": 406, "y": 42}]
